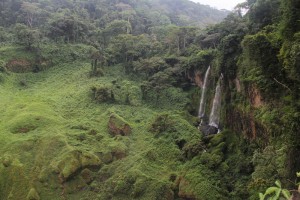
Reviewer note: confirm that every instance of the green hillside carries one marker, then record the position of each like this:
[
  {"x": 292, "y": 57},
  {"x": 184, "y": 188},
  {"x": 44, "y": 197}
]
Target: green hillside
[
  {"x": 100, "y": 100},
  {"x": 55, "y": 138}
]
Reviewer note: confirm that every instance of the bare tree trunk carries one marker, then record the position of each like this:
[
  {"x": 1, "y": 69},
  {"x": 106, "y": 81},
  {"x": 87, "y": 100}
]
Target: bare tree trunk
[
  {"x": 184, "y": 42},
  {"x": 29, "y": 20},
  {"x": 178, "y": 45}
]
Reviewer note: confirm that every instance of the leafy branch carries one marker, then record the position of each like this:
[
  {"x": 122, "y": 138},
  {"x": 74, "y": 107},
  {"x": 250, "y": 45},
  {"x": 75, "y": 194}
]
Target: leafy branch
[{"x": 275, "y": 193}]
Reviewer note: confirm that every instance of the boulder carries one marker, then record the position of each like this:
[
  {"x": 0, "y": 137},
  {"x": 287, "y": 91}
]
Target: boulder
[
  {"x": 87, "y": 175},
  {"x": 118, "y": 126},
  {"x": 106, "y": 157},
  {"x": 74, "y": 161},
  {"x": 208, "y": 130}
]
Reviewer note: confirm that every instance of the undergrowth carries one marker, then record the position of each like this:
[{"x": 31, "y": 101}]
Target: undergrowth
[{"x": 55, "y": 141}]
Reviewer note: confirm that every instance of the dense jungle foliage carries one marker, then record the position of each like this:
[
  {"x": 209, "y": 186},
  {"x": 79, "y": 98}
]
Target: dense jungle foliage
[{"x": 99, "y": 100}]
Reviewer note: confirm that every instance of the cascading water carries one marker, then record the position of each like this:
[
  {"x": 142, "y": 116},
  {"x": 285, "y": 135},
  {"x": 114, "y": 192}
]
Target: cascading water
[
  {"x": 201, "y": 112},
  {"x": 214, "y": 118}
]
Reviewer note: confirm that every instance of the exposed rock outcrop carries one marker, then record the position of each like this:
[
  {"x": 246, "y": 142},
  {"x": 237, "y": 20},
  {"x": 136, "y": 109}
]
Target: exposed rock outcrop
[
  {"x": 74, "y": 161},
  {"x": 237, "y": 83},
  {"x": 255, "y": 96},
  {"x": 19, "y": 66},
  {"x": 198, "y": 79},
  {"x": 245, "y": 123},
  {"x": 118, "y": 126},
  {"x": 208, "y": 130},
  {"x": 87, "y": 176}
]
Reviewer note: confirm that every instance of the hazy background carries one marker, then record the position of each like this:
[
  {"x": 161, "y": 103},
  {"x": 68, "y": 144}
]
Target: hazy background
[{"x": 220, "y": 4}]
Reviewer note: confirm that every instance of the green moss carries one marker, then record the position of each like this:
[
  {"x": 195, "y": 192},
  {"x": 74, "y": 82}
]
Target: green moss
[
  {"x": 118, "y": 120},
  {"x": 162, "y": 123},
  {"x": 211, "y": 160},
  {"x": 13, "y": 181},
  {"x": 32, "y": 195},
  {"x": 23, "y": 118},
  {"x": 290, "y": 58},
  {"x": 259, "y": 64},
  {"x": 12, "y": 52},
  {"x": 87, "y": 175},
  {"x": 75, "y": 185},
  {"x": 103, "y": 94},
  {"x": 217, "y": 139},
  {"x": 198, "y": 185},
  {"x": 70, "y": 163}
]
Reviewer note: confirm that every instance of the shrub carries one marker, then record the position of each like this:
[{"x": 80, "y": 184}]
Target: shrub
[
  {"x": 2, "y": 66},
  {"x": 103, "y": 94},
  {"x": 161, "y": 124}
]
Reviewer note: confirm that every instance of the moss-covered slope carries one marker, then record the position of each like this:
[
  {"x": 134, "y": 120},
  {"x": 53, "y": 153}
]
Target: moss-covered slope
[{"x": 56, "y": 141}]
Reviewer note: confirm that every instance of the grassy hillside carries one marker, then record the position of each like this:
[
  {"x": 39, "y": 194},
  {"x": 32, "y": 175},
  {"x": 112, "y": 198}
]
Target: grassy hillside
[
  {"x": 61, "y": 142},
  {"x": 99, "y": 100},
  {"x": 49, "y": 122}
]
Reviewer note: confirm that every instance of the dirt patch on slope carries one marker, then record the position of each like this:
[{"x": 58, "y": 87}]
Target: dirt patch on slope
[{"x": 20, "y": 66}]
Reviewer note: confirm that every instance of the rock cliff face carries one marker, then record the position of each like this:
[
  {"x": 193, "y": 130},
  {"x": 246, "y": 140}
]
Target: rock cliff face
[
  {"x": 260, "y": 102},
  {"x": 196, "y": 77},
  {"x": 241, "y": 119},
  {"x": 244, "y": 123},
  {"x": 254, "y": 96}
]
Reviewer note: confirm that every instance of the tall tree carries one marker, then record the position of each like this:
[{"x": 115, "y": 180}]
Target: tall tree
[{"x": 30, "y": 11}]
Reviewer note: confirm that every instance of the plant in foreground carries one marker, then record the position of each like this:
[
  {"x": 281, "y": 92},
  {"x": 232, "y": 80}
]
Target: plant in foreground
[{"x": 275, "y": 193}]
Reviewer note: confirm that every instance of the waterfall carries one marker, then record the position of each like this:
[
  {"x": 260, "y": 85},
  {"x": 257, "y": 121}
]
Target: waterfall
[
  {"x": 214, "y": 118},
  {"x": 203, "y": 94}
]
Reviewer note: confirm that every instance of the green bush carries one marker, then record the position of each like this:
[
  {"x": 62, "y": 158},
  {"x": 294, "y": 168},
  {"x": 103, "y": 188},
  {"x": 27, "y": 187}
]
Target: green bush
[
  {"x": 210, "y": 160},
  {"x": 259, "y": 63},
  {"x": 103, "y": 94},
  {"x": 162, "y": 123},
  {"x": 2, "y": 66}
]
